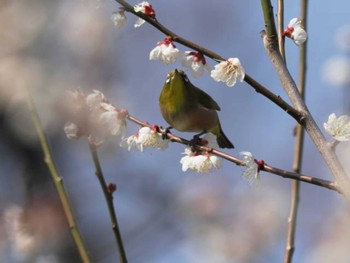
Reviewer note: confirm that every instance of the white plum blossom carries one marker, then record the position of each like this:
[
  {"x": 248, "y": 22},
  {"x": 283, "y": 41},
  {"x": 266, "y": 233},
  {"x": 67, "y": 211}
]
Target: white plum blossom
[
  {"x": 72, "y": 131},
  {"x": 199, "y": 161},
  {"x": 299, "y": 35},
  {"x": 338, "y": 127},
  {"x": 113, "y": 119},
  {"x": 147, "y": 9},
  {"x": 150, "y": 137},
  {"x": 296, "y": 31},
  {"x": 146, "y": 137},
  {"x": 251, "y": 172},
  {"x": 119, "y": 18},
  {"x": 228, "y": 71},
  {"x": 131, "y": 143},
  {"x": 195, "y": 62},
  {"x": 94, "y": 99},
  {"x": 165, "y": 51}
]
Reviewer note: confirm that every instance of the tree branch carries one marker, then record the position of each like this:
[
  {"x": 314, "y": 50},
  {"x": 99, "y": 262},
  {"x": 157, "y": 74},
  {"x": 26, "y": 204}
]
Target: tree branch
[
  {"x": 109, "y": 200},
  {"x": 57, "y": 180},
  {"x": 265, "y": 167},
  {"x": 269, "y": 18},
  {"x": 280, "y": 28},
  {"x": 298, "y": 150}
]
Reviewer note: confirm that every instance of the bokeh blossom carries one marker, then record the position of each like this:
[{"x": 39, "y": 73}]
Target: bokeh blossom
[
  {"x": 95, "y": 117},
  {"x": 119, "y": 18}
]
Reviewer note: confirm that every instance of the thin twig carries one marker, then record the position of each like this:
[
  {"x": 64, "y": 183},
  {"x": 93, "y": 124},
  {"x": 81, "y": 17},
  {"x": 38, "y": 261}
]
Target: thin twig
[
  {"x": 328, "y": 153},
  {"x": 298, "y": 150},
  {"x": 276, "y": 99},
  {"x": 253, "y": 83},
  {"x": 267, "y": 168},
  {"x": 109, "y": 199},
  {"x": 58, "y": 181}
]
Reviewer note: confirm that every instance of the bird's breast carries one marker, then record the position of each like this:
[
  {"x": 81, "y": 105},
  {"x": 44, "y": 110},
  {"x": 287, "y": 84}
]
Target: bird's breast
[{"x": 192, "y": 120}]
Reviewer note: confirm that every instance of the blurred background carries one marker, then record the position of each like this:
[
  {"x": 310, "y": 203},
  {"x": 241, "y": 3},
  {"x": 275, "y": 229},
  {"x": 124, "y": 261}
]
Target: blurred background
[{"x": 165, "y": 215}]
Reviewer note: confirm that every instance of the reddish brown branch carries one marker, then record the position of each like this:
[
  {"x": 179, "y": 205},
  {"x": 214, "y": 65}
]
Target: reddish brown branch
[{"x": 265, "y": 167}]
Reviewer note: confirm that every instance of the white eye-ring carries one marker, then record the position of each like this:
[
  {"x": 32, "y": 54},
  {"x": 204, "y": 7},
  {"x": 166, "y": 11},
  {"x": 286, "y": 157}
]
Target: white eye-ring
[{"x": 167, "y": 79}]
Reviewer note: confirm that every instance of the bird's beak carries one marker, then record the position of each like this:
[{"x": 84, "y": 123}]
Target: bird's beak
[{"x": 176, "y": 73}]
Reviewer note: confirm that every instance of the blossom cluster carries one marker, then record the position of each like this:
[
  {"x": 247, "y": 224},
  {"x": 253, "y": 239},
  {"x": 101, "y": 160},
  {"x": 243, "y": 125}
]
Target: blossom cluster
[
  {"x": 228, "y": 71},
  {"x": 94, "y": 116}
]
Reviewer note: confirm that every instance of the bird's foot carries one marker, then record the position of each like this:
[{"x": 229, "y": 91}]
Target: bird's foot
[
  {"x": 197, "y": 140},
  {"x": 165, "y": 132}
]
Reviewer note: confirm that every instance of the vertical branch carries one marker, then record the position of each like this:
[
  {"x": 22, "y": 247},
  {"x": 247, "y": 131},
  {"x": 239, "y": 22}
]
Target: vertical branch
[
  {"x": 298, "y": 150},
  {"x": 280, "y": 28},
  {"x": 109, "y": 200},
  {"x": 58, "y": 181},
  {"x": 292, "y": 220},
  {"x": 269, "y": 23}
]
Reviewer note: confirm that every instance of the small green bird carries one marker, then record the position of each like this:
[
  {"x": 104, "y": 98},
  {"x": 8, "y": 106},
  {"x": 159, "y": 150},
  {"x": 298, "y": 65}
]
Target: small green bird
[{"x": 188, "y": 108}]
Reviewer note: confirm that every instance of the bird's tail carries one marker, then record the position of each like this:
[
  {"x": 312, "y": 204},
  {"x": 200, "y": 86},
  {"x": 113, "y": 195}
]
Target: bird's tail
[{"x": 221, "y": 138}]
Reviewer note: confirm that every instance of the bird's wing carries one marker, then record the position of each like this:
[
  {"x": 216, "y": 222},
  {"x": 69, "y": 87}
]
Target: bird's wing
[{"x": 205, "y": 100}]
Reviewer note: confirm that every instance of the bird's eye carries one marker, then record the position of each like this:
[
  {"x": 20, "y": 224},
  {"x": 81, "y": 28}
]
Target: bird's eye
[
  {"x": 185, "y": 78},
  {"x": 167, "y": 79}
]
